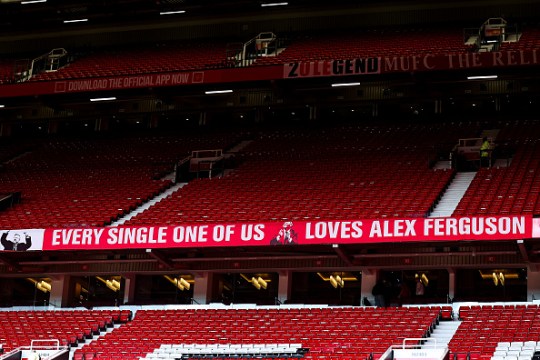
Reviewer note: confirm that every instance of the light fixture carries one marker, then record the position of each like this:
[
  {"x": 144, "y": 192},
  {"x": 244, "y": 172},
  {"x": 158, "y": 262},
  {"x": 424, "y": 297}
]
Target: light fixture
[
  {"x": 179, "y": 282},
  {"x": 103, "y": 99},
  {"x": 32, "y": 2},
  {"x": 113, "y": 284},
  {"x": 172, "y": 12},
  {"x": 262, "y": 282},
  {"x": 345, "y": 84},
  {"x": 257, "y": 281},
  {"x": 501, "y": 274},
  {"x": 495, "y": 279},
  {"x": 2, "y": 106},
  {"x": 75, "y": 21},
  {"x": 336, "y": 281},
  {"x": 211, "y": 92},
  {"x": 340, "y": 281},
  {"x": 482, "y": 77},
  {"x": 185, "y": 284},
  {"x": 41, "y": 285},
  {"x": 275, "y": 4}
]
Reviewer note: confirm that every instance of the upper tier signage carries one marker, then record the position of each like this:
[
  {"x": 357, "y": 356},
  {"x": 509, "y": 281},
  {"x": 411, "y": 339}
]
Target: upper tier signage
[
  {"x": 275, "y": 233},
  {"x": 293, "y": 70}
]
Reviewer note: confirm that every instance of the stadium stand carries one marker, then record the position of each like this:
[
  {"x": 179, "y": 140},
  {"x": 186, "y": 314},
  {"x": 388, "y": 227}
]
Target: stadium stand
[
  {"x": 496, "y": 332},
  {"x": 19, "y": 328},
  {"x": 508, "y": 190},
  {"x": 347, "y": 172},
  {"x": 304, "y": 151},
  {"x": 106, "y": 179},
  {"x": 326, "y": 333},
  {"x": 162, "y": 58},
  {"x": 371, "y": 43}
]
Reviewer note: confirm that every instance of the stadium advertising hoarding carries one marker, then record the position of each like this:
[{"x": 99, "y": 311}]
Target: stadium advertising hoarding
[
  {"x": 412, "y": 63},
  {"x": 293, "y": 70},
  {"x": 275, "y": 233}
]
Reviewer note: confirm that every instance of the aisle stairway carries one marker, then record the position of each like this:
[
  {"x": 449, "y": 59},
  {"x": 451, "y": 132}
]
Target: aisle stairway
[
  {"x": 442, "y": 334},
  {"x": 148, "y": 204},
  {"x": 453, "y": 194}
]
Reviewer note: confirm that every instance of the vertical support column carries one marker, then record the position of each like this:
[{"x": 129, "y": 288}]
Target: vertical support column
[
  {"x": 438, "y": 106},
  {"x": 284, "y": 285},
  {"x": 497, "y": 103},
  {"x": 129, "y": 289},
  {"x": 5, "y": 129},
  {"x": 369, "y": 279},
  {"x": 451, "y": 283},
  {"x": 60, "y": 296},
  {"x": 533, "y": 285},
  {"x": 202, "y": 292},
  {"x": 154, "y": 121},
  {"x": 313, "y": 112},
  {"x": 375, "y": 110},
  {"x": 202, "y": 118},
  {"x": 53, "y": 126}
]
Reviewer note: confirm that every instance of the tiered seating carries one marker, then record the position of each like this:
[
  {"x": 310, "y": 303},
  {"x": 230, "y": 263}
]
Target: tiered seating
[
  {"x": 19, "y": 328},
  {"x": 503, "y": 191},
  {"x": 345, "y": 173},
  {"x": 91, "y": 183},
  {"x": 180, "y": 57},
  {"x": 498, "y": 332},
  {"x": 373, "y": 43},
  {"x": 530, "y": 39},
  {"x": 328, "y": 333},
  {"x": 6, "y": 71}
]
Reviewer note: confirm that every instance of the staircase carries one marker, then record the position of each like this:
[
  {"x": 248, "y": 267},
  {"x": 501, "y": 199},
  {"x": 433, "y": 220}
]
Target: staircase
[
  {"x": 148, "y": 204},
  {"x": 442, "y": 334},
  {"x": 452, "y": 196}
]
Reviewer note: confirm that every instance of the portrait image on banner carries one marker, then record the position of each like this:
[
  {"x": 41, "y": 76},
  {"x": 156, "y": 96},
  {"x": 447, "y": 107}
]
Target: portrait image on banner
[{"x": 21, "y": 239}]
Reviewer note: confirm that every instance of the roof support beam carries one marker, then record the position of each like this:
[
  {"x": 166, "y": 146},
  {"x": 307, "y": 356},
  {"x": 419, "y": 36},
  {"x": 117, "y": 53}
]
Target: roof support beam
[{"x": 161, "y": 258}]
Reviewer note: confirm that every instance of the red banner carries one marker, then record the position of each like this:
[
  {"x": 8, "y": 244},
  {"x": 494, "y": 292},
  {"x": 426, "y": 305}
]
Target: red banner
[
  {"x": 295, "y": 70},
  {"x": 289, "y": 233}
]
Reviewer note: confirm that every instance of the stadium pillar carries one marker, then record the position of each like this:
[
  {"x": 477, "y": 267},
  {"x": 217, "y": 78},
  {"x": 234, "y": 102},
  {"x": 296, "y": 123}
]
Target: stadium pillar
[
  {"x": 284, "y": 285},
  {"x": 375, "y": 110},
  {"x": 202, "y": 118},
  {"x": 53, "y": 127},
  {"x": 203, "y": 288},
  {"x": 533, "y": 285},
  {"x": 101, "y": 124},
  {"x": 313, "y": 112},
  {"x": 5, "y": 129},
  {"x": 129, "y": 289},
  {"x": 369, "y": 279},
  {"x": 60, "y": 296},
  {"x": 451, "y": 283}
]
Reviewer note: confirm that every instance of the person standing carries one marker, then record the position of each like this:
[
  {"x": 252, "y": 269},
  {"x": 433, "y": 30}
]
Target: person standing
[{"x": 485, "y": 153}]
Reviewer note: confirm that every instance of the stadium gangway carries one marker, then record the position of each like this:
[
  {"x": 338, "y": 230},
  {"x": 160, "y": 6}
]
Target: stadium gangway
[
  {"x": 415, "y": 351},
  {"x": 49, "y": 349}
]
